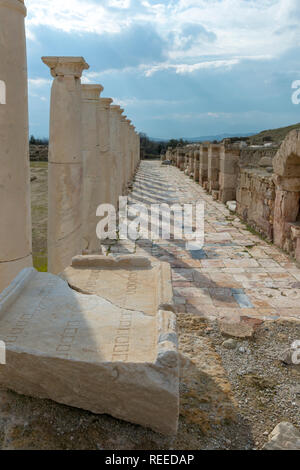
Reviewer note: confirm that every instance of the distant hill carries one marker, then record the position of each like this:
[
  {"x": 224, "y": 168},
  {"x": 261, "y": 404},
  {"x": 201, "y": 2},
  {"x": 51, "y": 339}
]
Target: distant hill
[
  {"x": 211, "y": 138},
  {"x": 272, "y": 135},
  {"x": 204, "y": 138}
]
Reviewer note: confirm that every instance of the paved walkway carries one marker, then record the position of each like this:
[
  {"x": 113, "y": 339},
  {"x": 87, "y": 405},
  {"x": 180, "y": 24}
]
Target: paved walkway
[{"x": 235, "y": 273}]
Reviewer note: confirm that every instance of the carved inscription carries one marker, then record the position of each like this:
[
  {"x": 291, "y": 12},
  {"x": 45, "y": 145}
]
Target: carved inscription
[
  {"x": 122, "y": 338},
  {"x": 67, "y": 338},
  {"x": 24, "y": 319}
]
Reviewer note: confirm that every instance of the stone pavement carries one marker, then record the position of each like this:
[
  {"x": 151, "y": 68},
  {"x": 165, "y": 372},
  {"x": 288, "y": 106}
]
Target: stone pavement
[{"x": 236, "y": 274}]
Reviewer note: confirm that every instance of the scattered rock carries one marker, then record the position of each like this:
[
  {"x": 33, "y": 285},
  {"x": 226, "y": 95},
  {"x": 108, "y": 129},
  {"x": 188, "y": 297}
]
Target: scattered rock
[
  {"x": 287, "y": 357},
  {"x": 259, "y": 381},
  {"x": 229, "y": 344},
  {"x": 254, "y": 322},
  {"x": 237, "y": 330},
  {"x": 284, "y": 437},
  {"x": 265, "y": 162},
  {"x": 231, "y": 206}
]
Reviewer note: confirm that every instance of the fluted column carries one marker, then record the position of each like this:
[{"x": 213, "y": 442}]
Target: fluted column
[
  {"x": 65, "y": 168},
  {"x": 92, "y": 170},
  {"x": 103, "y": 110},
  {"x": 15, "y": 213}
]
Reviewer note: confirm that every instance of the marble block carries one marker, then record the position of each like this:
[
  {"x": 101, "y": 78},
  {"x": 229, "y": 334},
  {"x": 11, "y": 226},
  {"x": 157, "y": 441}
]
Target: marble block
[{"x": 106, "y": 353}]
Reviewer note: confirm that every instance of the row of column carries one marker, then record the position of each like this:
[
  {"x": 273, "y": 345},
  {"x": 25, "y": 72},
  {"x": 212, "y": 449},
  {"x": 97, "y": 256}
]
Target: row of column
[
  {"x": 214, "y": 166},
  {"x": 93, "y": 154}
]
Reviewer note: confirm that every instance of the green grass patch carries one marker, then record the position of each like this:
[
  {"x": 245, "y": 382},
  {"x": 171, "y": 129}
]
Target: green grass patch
[
  {"x": 38, "y": 164},
  {"x": 40, "y": 263}
]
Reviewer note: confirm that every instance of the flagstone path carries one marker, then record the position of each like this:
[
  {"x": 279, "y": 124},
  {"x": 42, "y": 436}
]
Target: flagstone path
[{"x": 235, "y": 274}]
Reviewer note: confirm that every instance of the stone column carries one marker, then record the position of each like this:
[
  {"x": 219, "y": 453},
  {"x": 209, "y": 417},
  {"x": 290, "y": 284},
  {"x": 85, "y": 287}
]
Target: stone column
[
  {"x": 103, "y": 112},
  {"x": 186, "y": 160},
  {"x": 124, "y": 153},
  {"x": 286, "y": 210},
  {"x": 203, "y": 165},
  {"x": 168, "y": 153},
  {"x": 180, "y": 159},
  {"x": 229, "y": 158},
  {"x": 213, "y": 167},
  {"x": 127, "y": 146},
  {"x": 92, "y": 170},
  {"x": 115, "y": 153},
  {"x": 196, "y": 164},
  {"x": 189, "y": 167},
  {"x": 65, "y": 168},
  {"x": 132, "y": 145},
  {"x": 15, "y": 213},
  {"x": 117, "y": 148},
  {"x": 138, "y": 146}
]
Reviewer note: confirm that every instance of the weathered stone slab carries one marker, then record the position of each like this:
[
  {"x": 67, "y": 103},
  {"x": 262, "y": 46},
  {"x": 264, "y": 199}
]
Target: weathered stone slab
[
  {"x": 91, "y": 352},
  {"x": 236, "y": 329},
  {"x": 285, "y": 436},
  {"x": 129, "y": 281}
]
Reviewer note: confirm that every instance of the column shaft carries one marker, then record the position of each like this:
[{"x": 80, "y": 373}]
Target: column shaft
[
  {"x": 65, "y": 169},
  {"x": 15, "y": 213}
]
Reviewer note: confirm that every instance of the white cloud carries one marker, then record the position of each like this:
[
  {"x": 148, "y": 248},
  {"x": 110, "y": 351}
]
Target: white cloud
[
  {"x": 136, "y": 102},
  {"x": 74, "y": 16},
  {"x": 39, "y": 82},
  {"x": 228, "y": 30},
  {"x": 191, "y": 116},
  {"x": 189, "y": 68}
]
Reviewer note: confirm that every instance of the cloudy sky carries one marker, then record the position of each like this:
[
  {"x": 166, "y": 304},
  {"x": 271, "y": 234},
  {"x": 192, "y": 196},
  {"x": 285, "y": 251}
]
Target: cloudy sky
[{"x": 181, "y": 68}]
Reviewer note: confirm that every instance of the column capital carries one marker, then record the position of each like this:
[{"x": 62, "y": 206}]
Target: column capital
[
  {"x": 105, "y": 102},
  {"x": 117, "y": 108},
  {"x": 91, "y": 91},
  {"x": 14, "y": 5},
  {"x": 66, "y": 66}
]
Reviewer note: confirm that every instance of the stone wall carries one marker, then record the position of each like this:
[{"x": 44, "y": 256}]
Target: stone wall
[
  {"x": 251, "y": 156},
  {"x": 263, "y": 183},
  {"x": 255, "y": 197},
  {"x": 38, "y": 153}
]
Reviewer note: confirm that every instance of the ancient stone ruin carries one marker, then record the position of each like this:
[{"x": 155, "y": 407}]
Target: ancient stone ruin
[
  {"x": 261, "y": 185},
  {"x": 95, "y": 332},
  {"x": 98, "y": 331}
]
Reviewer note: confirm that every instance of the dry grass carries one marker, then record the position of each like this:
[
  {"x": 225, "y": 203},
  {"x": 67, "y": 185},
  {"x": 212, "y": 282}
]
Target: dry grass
[{"x": 39, "y": 212}]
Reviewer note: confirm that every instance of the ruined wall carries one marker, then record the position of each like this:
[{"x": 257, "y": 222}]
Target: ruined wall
[
  {"x": 251, "y": 156},
  {"x": 38, "y": 153},
  {"x": 255, "y": 199}
]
